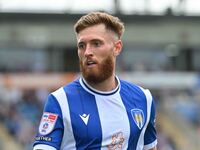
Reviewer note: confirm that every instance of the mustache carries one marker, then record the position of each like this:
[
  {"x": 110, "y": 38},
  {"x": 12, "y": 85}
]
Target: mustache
[
  {"x": 103, "y": 71},
  {"x": 89, "y": 60}
]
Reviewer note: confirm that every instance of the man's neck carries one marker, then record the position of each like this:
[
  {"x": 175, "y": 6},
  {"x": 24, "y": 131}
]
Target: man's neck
[{"x": 107, "y": 85}]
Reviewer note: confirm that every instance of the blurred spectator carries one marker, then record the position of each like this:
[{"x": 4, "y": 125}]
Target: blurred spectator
[
  {"x": 164, "y": 141},
  {"x": 20, "y": 112}
]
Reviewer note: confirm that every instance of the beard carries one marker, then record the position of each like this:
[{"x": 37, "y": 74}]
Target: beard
[{"x": 100, "y": 73}]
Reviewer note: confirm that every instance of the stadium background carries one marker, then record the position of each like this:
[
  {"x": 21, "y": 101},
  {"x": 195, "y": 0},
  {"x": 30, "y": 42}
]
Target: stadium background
[{"x": 161, "y": 52}]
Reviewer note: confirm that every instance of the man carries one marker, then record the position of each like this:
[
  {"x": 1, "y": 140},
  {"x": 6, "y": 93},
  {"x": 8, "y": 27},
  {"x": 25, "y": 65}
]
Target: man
[{"x": 98, "y": 110}]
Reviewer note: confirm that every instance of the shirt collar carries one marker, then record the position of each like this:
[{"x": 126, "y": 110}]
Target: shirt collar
[{"x": 92, "y": 90}]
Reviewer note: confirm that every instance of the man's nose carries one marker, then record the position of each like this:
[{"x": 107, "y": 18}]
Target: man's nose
[{"x": 88, "y": 51}]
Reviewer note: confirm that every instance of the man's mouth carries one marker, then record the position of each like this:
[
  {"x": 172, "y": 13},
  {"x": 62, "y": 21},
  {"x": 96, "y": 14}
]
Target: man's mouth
[{"x": 90, "y": 63}]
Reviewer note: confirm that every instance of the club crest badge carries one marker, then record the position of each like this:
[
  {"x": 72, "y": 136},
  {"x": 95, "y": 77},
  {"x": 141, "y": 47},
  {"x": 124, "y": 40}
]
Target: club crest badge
[
  {"x": 138, "y": 117},
  {"x": 47, "y": 123}
]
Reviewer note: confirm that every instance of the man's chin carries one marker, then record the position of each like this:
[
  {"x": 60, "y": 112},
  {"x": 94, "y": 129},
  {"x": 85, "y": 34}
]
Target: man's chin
[
  {"x": 93, "y": 71},
  {"x": 92, "y": 78}
]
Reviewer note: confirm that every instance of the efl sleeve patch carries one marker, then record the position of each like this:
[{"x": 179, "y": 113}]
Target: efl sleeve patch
[{"x": 47, "y": 123}]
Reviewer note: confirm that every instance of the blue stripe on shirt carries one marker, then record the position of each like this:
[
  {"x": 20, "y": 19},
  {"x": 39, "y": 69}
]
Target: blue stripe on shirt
[
  {"x": 81, "y": 102},
  {"x": 132, "y": 98}
]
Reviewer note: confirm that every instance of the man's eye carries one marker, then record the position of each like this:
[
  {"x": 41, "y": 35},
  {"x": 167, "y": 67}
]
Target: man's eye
[
  {"x": 97, "y": 44},
  {"x": 81, "y": 46}
]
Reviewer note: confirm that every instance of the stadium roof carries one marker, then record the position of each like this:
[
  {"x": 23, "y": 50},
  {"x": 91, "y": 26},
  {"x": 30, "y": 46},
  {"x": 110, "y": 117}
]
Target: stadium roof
[{"x": 155, "y": 7}]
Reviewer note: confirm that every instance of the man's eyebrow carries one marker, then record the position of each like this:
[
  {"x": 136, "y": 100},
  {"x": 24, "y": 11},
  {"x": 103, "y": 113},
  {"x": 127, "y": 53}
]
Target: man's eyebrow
[
  {"x": 94, "y": 40},
  {"x": 80, "y": 42}
]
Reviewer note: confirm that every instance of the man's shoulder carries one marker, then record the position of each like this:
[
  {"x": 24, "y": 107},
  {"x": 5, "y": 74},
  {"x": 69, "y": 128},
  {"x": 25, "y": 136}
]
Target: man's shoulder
[
  {"x": 131, "y": 87},
  {"x": 127, "y": 84},
  {"x": 68, "y": 86},
  {"x": 74, "y": 83}
]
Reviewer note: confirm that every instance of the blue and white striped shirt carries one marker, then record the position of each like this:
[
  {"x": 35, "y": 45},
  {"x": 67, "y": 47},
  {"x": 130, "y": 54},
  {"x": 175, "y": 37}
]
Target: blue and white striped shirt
[{"x": 79, "y": 117}]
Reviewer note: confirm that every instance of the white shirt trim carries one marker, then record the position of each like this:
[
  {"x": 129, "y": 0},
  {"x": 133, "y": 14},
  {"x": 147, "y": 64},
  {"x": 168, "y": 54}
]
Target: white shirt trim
[
  {"x": 69, "y": 141},
  {"x": 151, "y": 145},
  {"x": 140, "y": 144},
  {"x": 90, "y": 89},
  {"x": 43, "y": 147}
]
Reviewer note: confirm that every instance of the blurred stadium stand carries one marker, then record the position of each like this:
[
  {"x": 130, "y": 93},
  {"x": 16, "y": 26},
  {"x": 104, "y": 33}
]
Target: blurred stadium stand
[
  {"x": 6, "y": 141},
  {"x": 161, "y": 52}
]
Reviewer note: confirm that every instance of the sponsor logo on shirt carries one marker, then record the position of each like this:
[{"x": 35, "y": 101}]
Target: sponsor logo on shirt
[
  {"x": 85, "y": 118},
  {"x": 117, "y": 141},
  {"x": 138, "y": 117},
  {"x": 43, "y": 138},
  {"x": 47, "y": 123}
]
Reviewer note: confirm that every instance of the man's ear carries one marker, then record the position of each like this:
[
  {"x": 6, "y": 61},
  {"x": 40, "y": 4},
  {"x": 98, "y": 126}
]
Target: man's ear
[{"x": 118, "y": 47}]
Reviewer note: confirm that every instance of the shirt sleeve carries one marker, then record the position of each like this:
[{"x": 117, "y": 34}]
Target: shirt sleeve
[
  {"x": 50, "y": 131},
  {"x": 150, "y": 139},
  {"x": 43, "y": 147}
]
